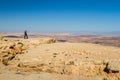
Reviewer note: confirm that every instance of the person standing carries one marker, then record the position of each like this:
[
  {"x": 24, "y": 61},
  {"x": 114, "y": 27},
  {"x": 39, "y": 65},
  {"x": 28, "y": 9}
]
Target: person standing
[{"x": 25, "y": 34}]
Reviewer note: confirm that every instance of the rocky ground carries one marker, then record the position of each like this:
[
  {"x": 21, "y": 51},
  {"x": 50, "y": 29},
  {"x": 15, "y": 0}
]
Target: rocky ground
[{"x": 45, "y": 58}]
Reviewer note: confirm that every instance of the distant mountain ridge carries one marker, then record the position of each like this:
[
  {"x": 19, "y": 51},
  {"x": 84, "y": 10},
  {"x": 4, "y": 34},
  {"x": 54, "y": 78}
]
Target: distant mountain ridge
[{"x": 96, "y": 33}]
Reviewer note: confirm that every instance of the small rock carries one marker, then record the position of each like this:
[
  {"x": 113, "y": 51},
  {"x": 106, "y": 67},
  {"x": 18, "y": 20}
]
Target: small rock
[{"x": 98, "y": 62}]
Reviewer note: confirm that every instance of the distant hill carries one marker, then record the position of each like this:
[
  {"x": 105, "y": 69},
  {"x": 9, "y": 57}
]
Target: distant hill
[
  {"x": 114, "y": 32},
  {"x": 96, "y": 33}
]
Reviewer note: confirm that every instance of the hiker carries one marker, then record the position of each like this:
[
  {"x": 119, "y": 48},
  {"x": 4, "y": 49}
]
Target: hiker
[{"x": 25, "y": 35}]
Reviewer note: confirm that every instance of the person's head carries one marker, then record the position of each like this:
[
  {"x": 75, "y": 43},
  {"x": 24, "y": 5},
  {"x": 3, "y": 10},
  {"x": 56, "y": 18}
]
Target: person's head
[{"x": 25, "y": 31}]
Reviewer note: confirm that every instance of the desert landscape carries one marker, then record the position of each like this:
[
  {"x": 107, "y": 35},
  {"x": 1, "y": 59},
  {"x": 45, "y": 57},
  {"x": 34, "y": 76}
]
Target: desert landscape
[
  {"x": 59, "y": 57},
  {"x": 59, "y": 39}
]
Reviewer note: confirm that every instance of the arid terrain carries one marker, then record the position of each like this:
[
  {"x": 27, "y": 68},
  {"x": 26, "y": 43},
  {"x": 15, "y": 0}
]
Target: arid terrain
[{"x": 59, "y": 57}]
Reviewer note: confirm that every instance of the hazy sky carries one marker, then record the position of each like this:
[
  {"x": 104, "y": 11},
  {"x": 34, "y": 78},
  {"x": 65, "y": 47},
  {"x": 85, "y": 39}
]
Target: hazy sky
[{"x": 59, "y": 15}]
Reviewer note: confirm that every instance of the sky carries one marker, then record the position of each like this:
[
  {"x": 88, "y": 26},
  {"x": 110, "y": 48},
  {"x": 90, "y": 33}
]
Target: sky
[{"x": 59, "y": 15}]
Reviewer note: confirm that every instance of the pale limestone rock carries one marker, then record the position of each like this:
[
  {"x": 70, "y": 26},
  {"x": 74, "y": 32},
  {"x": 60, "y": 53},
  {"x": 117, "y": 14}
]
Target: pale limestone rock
[
  {"x": 114, "y": 66},
  {"x": 98, "y": 62}
]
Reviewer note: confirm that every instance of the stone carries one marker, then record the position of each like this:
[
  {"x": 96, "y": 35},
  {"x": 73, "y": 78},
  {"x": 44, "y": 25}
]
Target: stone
[{"x": 114, "y": 66}]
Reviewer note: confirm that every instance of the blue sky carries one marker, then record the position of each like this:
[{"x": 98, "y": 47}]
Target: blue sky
[{"x": 59, "y": 15}]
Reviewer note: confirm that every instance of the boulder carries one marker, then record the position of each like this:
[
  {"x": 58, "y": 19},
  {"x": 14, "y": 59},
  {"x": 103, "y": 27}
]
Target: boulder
[{"x": 114, "y": 66}]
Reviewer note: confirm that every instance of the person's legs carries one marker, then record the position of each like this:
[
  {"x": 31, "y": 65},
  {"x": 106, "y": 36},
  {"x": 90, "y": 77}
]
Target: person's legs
[{"x": 25, "y": 36}]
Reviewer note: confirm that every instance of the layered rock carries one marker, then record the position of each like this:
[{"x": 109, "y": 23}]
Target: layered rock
[{"x": 10, "y": 48}]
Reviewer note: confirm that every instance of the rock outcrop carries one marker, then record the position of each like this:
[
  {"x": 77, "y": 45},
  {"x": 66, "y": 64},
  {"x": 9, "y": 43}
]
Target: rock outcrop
[{"x": 10, "y": 48}]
